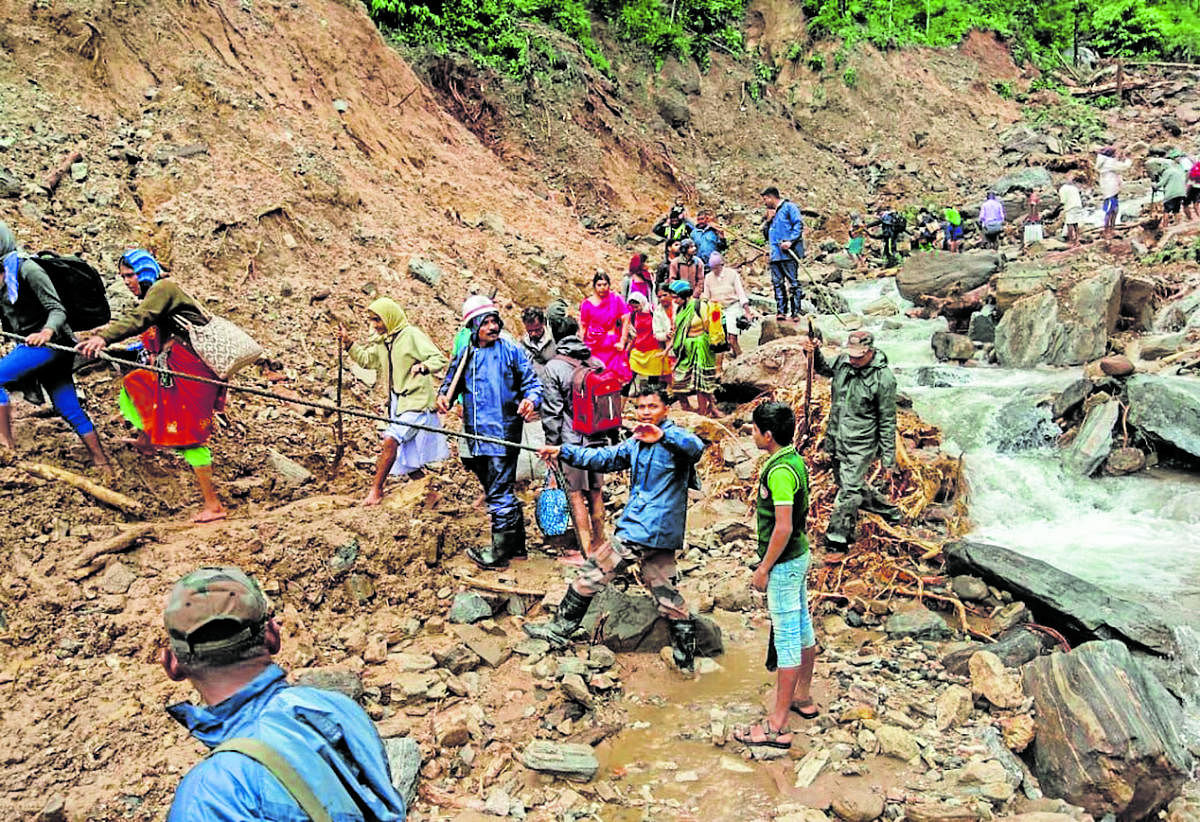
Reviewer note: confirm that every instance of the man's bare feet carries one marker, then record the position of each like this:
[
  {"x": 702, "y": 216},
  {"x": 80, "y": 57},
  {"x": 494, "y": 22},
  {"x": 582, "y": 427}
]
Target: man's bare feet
[
  {"x": 210, "y": 515},
  {"x": 373, "y": 498}
]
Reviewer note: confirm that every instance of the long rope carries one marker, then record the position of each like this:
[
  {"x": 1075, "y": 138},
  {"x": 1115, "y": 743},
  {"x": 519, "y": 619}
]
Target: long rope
[{"x": 259, "y": 392}]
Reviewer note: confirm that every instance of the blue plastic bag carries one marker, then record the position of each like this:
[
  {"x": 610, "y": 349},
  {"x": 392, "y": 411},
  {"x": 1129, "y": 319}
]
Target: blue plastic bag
[{"x": 552, "y": 512}]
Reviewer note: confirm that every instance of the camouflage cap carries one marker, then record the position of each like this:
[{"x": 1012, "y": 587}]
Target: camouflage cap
[
  {"x": 210, "y": 594},
  {"x": 859, "y": 343}
]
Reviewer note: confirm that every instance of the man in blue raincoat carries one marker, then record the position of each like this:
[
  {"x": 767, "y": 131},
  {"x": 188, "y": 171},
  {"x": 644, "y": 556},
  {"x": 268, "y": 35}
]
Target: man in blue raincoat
[
  {"x": 277, "y": 749},
  {"x": 500, "y": 392}
]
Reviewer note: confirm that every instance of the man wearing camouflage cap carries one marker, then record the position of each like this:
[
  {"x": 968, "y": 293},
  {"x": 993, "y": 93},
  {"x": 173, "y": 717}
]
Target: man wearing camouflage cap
[
  {"x": 861, "y": 428},
  {"x": 280, "y": 752}
]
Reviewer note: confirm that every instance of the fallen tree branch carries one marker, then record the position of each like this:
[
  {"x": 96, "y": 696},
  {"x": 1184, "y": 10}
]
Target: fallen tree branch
[
  {"x": 55, "y": 177},
  {"x": 497, "y": 588},
  {"x": 113, "y": 545},
  {"x": 93, "y": 489}
]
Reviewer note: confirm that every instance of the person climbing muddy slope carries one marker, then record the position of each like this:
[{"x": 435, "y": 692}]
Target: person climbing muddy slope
[
  {"x": 500, "y": 392},
  {"x": 661, "y": 458},
  {"x": 406, "y": 358}
]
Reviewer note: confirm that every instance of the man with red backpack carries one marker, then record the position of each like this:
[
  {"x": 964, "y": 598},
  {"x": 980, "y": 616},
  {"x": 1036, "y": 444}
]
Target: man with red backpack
[
  {"x": 566, "y": 384},
  {"x": 661, "y": 458}
]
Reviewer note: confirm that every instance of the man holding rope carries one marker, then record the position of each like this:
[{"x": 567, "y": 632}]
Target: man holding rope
[{"x": 500, "y": 392}]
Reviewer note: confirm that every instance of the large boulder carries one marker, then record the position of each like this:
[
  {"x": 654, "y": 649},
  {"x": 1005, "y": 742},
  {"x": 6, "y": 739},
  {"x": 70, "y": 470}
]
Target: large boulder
[
  {"x": 1017, "y": 281},
  {"x": 1088, "y": 316},
  {"x": 774, "y": 365},
  {"x": 632, "y": 623},
  {"x": 1091, "y": 445},
  {"x": 1027, "y": 330},
  {"x": 942, "y": 274},
  {"x": 1062, "y": 599},
  {"x": 1026, "y": 180},
  {"x": 1107, "y": 732},
  {"x": 1167, "y": 407},
  {"x": 948, "y": 346},
  {"x": 1037, "y": 329}
]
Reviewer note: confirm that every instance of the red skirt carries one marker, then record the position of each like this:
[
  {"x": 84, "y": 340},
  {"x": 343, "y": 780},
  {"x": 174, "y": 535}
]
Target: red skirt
[{"x": 182, "y": 415}]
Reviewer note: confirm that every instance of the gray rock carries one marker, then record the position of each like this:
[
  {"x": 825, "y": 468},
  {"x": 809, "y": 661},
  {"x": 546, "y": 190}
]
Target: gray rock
[
  {"x": 469, "y": 607},
  {"x": 917, "y": 622},
  {"x": 940, "y": 376},
  {"x": 1063, "y": 600},
  {"x": 1027, "y": 179},
  {"x": 969, "y": 588},
  {"x": 1014, "y": 648},
  {"x": 573, "y": 687},
  {"x": 1167, "y": 407},
  {"x": 339, "y": 680},
  {"x": 291, "y": 471},
  {"x": 458, "y": 658},
  {"x": 79, "y": 172},
  {"x": 897, "y": 743},
  {"x": 941, "y": 274},
  {"x": 673, "y": 108},
  {"x": 948, "y": 346},
  {"x": 1017, "y": 281},
  {"x": 766, "y": 367},
  {"x": 1088, "y": 317},
  {"x": 10, "y": 186},
  {"x": 424, "y": 270},
  {"x": 981, "y": 328},
  {"x": 568, "y": 760},
  {"x": 1115, "y": 750},
  {"x": 1091, "y": 445},
  {"x": 632, "y": 623},
  {"x": 1027, "y": 330},
  {"x": 404, "y": 761},
  {"x": 1071, "y": 397},
  {"x": 1157, "y": 346},
  {"x": 117, "y": 578}
]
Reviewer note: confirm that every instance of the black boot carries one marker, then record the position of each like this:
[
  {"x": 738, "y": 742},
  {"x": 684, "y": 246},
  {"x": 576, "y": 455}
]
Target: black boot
[
  {"x": 566, "y": 620},
  {"x": 514, "y": 546},
  {"x": 494, "y": 556},
  {"x": 683, "y": 644}
]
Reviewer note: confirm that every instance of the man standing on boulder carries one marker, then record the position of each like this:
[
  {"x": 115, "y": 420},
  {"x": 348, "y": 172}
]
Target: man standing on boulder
[
  {"x": 784, "y": 228},
  {"x": 861, "y": 428},
  {"x": 1109, "y": 165},
  {"x": 280, "y": 752},
  {"x": 661, "y": 458},
  {"x": 500, "y": 392}
]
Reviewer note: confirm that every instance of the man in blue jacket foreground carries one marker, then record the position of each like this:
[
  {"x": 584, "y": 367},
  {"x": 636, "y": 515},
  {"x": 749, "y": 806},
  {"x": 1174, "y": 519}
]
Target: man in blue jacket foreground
[
  {"x": 661, "y": 458},
  {"x": 281, "y": 753}
]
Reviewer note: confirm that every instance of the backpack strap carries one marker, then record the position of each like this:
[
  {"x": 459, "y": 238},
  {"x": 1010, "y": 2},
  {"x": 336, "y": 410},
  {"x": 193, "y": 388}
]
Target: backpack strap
[{"x": 282, "y": 770}]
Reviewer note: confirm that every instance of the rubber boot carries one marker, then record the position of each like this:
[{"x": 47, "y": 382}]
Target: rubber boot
[
  {"x": 515, "y": 547},
  {"x": 491, "y": 557},
  {"x": 558, "y": 630},
  {"x": 683, "y": 644},
  {"x": 99, "y": 458}
]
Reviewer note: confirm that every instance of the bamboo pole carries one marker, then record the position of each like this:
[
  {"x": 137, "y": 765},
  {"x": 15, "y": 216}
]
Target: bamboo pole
[{"x": 93, "y": 489}]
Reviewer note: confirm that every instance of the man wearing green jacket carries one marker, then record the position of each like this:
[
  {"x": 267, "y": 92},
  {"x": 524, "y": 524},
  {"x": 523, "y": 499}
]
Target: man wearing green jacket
[
  {"x": 861, "y": 429},
  {"x": 1173, "y": 183}
]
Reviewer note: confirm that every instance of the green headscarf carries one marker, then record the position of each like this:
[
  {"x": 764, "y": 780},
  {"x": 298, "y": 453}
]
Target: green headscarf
[{"x": 393, "y": 316}]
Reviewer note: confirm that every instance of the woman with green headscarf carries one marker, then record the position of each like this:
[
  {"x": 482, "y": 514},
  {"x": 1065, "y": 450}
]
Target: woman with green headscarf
[
  {"x": 695, "y": 364},
  {"x": 405, "y": 356}
]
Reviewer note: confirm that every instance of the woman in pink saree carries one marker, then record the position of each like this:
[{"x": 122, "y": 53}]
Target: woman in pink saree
[{"x": 605, "y": 320}]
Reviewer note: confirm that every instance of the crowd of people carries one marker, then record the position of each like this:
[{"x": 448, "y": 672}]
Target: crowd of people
[{"x": 652, "y": 342}]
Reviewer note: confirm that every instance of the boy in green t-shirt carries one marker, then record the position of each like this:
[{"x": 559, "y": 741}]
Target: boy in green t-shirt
[{"x": 782, "y": 502}]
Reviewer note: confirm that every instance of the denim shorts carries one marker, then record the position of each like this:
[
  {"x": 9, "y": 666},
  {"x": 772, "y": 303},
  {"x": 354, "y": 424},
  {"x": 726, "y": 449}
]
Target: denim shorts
[
  {"x": 1111, "y": 204},
  {"x": 787, "y": 600}
]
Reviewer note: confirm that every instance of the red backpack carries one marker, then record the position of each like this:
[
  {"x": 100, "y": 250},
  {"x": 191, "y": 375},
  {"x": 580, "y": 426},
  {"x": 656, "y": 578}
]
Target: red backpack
[
  {"x": 1194, "y": 174},
  {"x": 595, "y": 399}
]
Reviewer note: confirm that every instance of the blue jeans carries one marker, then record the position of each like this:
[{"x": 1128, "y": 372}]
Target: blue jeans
[
  {"x": 52, "y": 370},
  {"x": 787, "y": 601},
  {"x": 783, "y": 280},
  {"x": 498, "y": 476}
]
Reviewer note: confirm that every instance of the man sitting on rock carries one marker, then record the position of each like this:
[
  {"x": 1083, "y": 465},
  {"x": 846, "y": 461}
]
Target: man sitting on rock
[
  {"x": 280, "y": 752},
  {"x": 861, "y": 428},
  {"x": 661, "y": 458}
]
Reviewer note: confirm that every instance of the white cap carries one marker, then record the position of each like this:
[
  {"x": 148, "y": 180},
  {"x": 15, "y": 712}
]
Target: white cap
[{"x": 476, "y": 306}]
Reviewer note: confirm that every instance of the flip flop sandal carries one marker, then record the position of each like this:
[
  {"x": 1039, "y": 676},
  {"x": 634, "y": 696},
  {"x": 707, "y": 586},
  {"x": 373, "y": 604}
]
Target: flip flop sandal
[
  {"x": 770, "y": 738},
  {"x": 812, "y": 711}
]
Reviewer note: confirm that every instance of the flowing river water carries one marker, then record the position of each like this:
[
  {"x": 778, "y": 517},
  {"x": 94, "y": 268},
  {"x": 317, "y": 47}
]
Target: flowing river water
[{"x": 1135, "y": 537}]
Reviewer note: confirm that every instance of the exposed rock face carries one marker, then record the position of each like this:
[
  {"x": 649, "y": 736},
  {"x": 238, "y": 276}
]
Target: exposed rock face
[
  {"x": 1107, "y": 731},
  {"x": 1167, "y": 407},
  {"x": 767, "y": 366},
  {"x": 1091, "y": 445},
  {"x": 943, "y": 274},
  {"x": 1077, "y": 605},
  {"x": 948, "y": 346},
  {"x": 1027, "y": 330},
  {"x": 1036, "y": 329}
]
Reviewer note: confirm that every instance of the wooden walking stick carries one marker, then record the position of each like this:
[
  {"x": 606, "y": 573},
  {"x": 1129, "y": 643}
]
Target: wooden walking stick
[
  {"x": 808, "y": 379},
  {"x": 341, "y": 432}
]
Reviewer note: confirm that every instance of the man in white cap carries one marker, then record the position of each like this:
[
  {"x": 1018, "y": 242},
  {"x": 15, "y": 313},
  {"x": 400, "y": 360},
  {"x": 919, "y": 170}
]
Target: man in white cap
[
  {"x": 861, "y": 429},
  {"x": 500, "y": 392}
]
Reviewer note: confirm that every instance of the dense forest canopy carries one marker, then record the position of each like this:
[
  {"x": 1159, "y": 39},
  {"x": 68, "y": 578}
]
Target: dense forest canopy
[{"x": 517, "y": 36}]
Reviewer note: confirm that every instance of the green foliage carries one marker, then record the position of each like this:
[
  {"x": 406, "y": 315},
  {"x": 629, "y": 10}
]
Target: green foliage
[
  {"x": 1080, "y": 123},
  {"x": 1004, "y": 89},
  {"x": 850, "y": 77},
  {"x": 816, "y": 61},
  {"x": 1036, "y": 28},
  {"x": 764, "y": 75}
]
